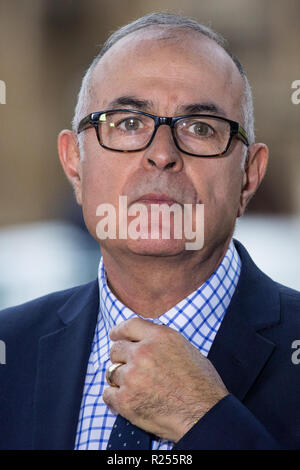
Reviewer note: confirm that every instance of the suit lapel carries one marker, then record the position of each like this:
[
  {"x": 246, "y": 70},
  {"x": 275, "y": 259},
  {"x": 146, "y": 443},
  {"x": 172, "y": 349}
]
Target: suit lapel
[
  {"x": 61, "y": 369},
  {"x": 239, "y": 352}
]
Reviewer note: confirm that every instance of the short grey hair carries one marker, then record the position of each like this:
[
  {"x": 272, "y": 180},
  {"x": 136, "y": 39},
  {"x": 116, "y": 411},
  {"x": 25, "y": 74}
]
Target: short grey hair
[{"x": 166, "y": 20}]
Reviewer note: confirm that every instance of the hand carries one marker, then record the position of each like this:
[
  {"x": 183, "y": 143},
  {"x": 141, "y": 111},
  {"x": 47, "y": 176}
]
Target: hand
[{"x": 165, "y": 383}]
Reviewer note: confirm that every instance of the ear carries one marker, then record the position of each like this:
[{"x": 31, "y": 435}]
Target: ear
[
  {"x": 68, "y": 150},
  {"x": 254, "y": 172}
]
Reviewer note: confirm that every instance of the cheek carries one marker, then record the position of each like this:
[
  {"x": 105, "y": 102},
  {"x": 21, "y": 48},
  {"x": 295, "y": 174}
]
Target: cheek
[
  {"x": 103, "y": 177},
  {"x": 93, "y": 187},
  {"x": 219, "y": 188},
  {"x": 217, "y": 181},
  {"x": 98, "y": 187},
  {"x": 224, "y": 192}
]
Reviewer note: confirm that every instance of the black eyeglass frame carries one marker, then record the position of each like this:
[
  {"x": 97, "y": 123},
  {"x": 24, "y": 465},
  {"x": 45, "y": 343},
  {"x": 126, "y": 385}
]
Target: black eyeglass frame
[{"x": 92, "y": 120}]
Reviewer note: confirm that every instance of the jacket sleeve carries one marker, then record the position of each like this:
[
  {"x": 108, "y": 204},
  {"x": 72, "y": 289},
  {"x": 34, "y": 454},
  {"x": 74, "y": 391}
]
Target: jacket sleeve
[{"x": 229, "y": 425}]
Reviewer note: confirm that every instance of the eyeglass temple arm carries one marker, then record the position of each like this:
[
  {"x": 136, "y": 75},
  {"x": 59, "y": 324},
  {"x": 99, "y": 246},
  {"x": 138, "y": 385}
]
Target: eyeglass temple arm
[
  {"x": 84, "y": 124},
  {"x": 243, "y": 136}
]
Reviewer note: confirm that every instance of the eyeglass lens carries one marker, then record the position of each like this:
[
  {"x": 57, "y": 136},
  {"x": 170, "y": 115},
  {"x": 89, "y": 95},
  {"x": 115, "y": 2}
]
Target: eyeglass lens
[{"x": 123, "y": 130}]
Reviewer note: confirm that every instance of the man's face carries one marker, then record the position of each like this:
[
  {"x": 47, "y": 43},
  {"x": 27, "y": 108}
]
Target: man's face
[{"x": 170, "y": 76}]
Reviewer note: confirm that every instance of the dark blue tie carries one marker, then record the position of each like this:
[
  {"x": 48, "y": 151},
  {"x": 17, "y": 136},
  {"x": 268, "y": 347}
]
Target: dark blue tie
[{"x": 126, "y": 436}]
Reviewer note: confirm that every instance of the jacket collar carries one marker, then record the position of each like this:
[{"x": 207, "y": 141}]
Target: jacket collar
[{"x": 256, "y": 296}]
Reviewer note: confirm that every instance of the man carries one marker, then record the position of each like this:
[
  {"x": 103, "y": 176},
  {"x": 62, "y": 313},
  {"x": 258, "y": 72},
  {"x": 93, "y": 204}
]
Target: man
[{"x": 199, "y": 340}]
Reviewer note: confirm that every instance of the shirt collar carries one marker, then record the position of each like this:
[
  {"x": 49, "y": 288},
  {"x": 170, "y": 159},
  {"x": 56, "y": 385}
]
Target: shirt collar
[{"x": 197, "y": 316}]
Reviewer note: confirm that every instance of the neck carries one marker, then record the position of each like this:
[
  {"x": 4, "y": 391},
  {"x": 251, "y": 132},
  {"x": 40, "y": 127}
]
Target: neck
[{"x": 151, "y": 285}]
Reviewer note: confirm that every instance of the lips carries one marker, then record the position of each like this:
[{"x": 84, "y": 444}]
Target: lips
[{"x": 153, "y": 198}]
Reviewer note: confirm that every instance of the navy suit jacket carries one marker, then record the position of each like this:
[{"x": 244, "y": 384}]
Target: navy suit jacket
[{"x": 48, "y": 343}]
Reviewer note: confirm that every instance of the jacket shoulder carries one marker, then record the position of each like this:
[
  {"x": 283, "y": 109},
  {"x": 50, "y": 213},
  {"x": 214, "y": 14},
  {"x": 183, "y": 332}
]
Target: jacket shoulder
[
  {"x": 288, "y": 292},
  {"x": 41, "y": 311},
  {"x": 290, "y": 305}
]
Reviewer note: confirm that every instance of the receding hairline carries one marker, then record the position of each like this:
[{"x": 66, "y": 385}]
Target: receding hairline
[
  {"x": 156, "y": 33},
  {"x": 163, "y": 34}
]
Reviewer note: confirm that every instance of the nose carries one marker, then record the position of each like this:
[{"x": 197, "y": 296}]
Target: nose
[{"x": 162, "y": 152}]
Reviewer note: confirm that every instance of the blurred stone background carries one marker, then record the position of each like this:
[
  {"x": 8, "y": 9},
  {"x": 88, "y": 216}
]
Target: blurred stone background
[{"x": 45, "y": 47}]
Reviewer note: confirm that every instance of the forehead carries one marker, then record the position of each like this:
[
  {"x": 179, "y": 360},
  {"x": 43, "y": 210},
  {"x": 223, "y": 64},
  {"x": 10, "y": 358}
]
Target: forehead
[{"x": 169, "y": 68}]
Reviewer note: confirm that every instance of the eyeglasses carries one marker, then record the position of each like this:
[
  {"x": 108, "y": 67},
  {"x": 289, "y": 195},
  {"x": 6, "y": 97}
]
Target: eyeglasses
[{"x": 199, "y": 135}]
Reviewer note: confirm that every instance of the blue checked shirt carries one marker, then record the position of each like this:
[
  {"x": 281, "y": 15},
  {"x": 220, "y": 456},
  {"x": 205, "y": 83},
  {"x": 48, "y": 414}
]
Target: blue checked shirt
[{"x": 197, "y": 317}]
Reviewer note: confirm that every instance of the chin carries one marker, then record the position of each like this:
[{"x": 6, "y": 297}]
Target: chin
[{"x": 156, "y": 247}]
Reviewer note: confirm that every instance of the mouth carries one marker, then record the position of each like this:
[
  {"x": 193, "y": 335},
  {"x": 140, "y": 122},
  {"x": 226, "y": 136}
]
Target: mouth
[{"x": 153, "y": 198}]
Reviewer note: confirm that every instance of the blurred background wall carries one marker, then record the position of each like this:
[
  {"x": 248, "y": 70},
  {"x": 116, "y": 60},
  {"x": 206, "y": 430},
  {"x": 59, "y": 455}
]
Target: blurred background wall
[{"x": 45, "y": 47}]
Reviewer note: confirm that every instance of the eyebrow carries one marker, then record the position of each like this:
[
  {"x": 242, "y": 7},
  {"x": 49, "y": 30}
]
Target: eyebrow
[
  {"x": 130, "y": 101},
  {"x": 208, "y": 107},
  {"x": 147, "y": 105}
]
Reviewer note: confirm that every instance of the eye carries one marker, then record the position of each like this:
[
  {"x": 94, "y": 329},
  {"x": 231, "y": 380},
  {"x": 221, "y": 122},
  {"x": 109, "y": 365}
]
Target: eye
[
  {"x": 130, "y": 124},
  {"x": 201, "y": 129}
]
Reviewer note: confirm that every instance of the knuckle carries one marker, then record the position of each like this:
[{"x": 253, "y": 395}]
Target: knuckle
[
  {"x": 162, "y": 331},
  {"x": 124, "y": 326},
  {"x": 130, "y": 378},
  {"x": 158, "y": 333},
  {"x": 169, "y": 335},
  {"x": 134, "y": 320},
  {"x": 143, "y": 356},
  {"x": 131, "y": 324},
  {"x": 127, "y": 326},
  {"x": 115, "y": 348},
  {"x": 167, "y": 331}
]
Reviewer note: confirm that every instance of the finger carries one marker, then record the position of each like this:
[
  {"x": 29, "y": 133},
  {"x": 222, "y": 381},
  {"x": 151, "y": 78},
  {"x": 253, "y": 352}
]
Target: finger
[
  {"x": 121, "y": 351},
  {"x": 135, "y": 329},
  {"x": 117, "y": 376},
  {"x": 110, "y": 397}
]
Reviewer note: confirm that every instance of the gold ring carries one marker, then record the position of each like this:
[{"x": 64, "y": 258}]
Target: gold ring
[{"x": 109, "y": 373}]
